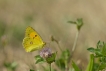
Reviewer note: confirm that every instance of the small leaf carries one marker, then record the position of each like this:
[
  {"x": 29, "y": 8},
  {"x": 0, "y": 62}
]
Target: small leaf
[
  {"x": 11, "y": 66},
  {"x": 98, "y": 52},
  {"x": 96, "y": 66},
  {"x": 14, "y": 65},
  {"x": 7, "y": 65},
  {"x": 60, "y": 63},
  {"x": 91, "y": 49},
  {"x": 100, "y": 44},
  {"x": 75, "y": 66},
  {"x": 79, "y": 23},
  {"x": 51, "y": 58},
  {"x": 39, "y": 59},
  {"x": 72, "y": 22},
  {"x": 32, "y": 70},
  {"x": 104, "y": 50},
  {"x": 65, "y": 55}
]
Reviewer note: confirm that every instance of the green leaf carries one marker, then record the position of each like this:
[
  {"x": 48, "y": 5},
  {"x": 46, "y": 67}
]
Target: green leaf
[
  {"x": 11, "y": 66},
  {"x": 79, "y": 23},
  {"x": 65, "y": 55},
  {"x": 32, "y": 70},
  {"x": 102, "y": 66},
  {"x": 63, "y": 60},
  {"x": 14, "y": 65},
  {"x": 91, "y": 63},
  {"x": 100, "y": 44},
  {"x": 72, "y": 22},
  {"x": 60, "y": 63},
  {"x": 103, "y": 59},
  {"x": 51, "y": 58},
  {"x": 104, "y": 50},
  {"x": 95, "y": 66},
  {"x": 75, "y": 66},
  {"x": 39, "y": 59},
  {"x": 91, "y": 49},
  {"x": 7, "y": 65},
  {"x": 98, "y": 52}
]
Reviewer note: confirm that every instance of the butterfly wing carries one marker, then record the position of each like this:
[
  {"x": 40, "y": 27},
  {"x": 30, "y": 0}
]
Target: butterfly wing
[
  {"x": 32, "y": 40},
  {"x": 32, "y": 44},
  {"x": 28, "y": 31}
]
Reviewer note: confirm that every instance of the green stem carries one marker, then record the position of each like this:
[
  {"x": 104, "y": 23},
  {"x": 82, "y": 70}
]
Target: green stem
[
  {"x": 50, "y": 66},
  {"x": 75, "y": 41},
  {"x": 66, "y": 66},
  {"x": 74, "y": 46}
]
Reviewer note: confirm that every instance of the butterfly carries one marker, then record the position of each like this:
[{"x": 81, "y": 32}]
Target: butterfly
[{"x": 32, "y": 40}]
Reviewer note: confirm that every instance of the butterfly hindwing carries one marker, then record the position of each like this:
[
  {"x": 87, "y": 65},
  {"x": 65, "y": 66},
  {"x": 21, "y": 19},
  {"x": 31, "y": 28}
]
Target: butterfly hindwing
[{"x": 31, "y": 45}]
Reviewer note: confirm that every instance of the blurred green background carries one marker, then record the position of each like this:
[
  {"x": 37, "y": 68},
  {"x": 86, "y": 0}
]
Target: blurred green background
[{"x": 49, "y": 17}]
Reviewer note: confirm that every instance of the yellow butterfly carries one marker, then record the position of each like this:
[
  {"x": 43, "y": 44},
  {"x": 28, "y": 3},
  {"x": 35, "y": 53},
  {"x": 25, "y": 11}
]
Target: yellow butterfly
[{"x": 32, "y": 40}]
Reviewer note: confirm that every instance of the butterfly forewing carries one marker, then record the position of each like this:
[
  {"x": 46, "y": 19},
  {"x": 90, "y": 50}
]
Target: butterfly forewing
[{"x": 30, "y": 32}]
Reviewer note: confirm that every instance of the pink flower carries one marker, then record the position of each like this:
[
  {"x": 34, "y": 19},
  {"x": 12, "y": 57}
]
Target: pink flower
[{"x": 45, "y": 53}]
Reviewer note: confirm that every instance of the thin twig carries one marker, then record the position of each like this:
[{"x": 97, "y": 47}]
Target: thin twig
[{"x": 59, "y": 47}]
